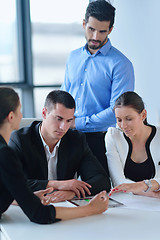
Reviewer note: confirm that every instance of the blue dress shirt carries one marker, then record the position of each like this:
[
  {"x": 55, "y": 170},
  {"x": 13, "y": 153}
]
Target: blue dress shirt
[{"x": 95, "y": 82}]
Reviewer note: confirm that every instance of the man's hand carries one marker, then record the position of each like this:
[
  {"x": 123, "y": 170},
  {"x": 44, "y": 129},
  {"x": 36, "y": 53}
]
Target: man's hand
[{"x": 78, "y": 187}]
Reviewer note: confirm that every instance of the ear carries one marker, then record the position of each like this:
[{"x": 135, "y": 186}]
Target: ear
[
  {"x": 44, "y": 113},
  {"x": 10, "y": 117},
  {"x": 84, "y": 23},
  {"x": 144, "y": 114},
  {"x": 110, "y": 30}
]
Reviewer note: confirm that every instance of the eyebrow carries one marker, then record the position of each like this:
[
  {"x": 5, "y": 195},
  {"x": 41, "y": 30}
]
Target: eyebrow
[
  {"x": 102, "y": 30},
  {"x": 125, "y": 116},
  {"x": 63, "y": 118}
]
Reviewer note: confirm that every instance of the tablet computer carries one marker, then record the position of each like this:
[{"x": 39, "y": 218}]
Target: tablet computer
[{"x": 84, "y": 201}]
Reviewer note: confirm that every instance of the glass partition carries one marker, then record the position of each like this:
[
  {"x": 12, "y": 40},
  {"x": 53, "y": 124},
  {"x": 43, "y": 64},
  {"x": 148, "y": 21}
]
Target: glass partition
[{"x": 10, "y": 69}]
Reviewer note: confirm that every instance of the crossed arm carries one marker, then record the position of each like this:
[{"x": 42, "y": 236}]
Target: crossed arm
[{"x": 67, "y": 189}]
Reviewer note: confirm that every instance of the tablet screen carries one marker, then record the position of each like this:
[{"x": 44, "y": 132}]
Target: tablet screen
[{"x": 81, "y": 202}]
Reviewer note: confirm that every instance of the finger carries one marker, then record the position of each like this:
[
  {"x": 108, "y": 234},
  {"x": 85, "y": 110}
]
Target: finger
[
  {"x": 48, "y": 190},
  {"x": 111, "y": 191},
  {"x": 77, "y": 192},
  {"x": 82, "y": 192},
  {"x": 46, "y": 201},
  {"x": 57, "y": 199},
  {"x": 103, "y": 195},
  {"x": 85, "y": 184},
  {"x": 87, "y": 190},
  {"x": 53, "y": 200}
]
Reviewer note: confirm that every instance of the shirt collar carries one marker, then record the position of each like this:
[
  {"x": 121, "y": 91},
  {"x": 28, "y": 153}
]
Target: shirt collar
[
  {"x": 44, "y": 143},
  {"x": 103, "y": 50}
]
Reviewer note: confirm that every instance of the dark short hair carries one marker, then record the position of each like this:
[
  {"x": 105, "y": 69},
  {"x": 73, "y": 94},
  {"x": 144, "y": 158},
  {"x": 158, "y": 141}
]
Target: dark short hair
[
  {"x": 9, "y": 101},
  {"x": 130, "y": 99},
  {"x": 101, "y": 10},
  {"x": 59, "y": 96}
]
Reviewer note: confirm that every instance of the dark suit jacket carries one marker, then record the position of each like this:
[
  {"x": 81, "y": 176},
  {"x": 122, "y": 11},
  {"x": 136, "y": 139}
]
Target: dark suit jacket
[
  {"x": 74, "y": 156},
  {"x": 13, "y": 185}
]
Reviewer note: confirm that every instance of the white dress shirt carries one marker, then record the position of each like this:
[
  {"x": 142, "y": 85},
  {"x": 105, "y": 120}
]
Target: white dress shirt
[{"x": 51, "y": 158}]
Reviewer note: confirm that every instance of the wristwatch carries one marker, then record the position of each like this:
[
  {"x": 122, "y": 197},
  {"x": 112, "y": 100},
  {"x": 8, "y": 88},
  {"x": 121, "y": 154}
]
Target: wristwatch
[{"x": 149, "y": 185}]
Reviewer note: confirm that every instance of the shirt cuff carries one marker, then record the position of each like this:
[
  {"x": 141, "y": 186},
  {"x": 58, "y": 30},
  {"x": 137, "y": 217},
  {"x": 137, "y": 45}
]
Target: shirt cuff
[{"x": 80, "y": 123}]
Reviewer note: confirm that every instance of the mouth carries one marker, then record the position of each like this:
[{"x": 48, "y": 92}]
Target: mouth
[
  {"x": 94, "y": 42},
  {"x": 60, "y": 133},
  {"x": 127, "y": 131}
]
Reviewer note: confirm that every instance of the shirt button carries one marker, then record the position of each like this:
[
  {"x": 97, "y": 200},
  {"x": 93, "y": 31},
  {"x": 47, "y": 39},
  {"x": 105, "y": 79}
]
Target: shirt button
[
  {"x": 81, "y": 84},
  {"x": 85, "y": 69}
]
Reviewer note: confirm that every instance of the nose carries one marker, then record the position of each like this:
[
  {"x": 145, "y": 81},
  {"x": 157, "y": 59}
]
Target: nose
[
  {"x": 123, "y": 125},
  {"x": 95, "y": 35},
  {"x": 63, "y": 125}
]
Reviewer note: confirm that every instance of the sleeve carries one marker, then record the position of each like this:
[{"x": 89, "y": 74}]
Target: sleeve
[
  {"x": 154, "y": 146},
  {"x": 16, "y": 145},
  {"x": 115, "y": 163},
  {"x": 123, "y": 80},
  {"x": 66, "y": 84},
  {"x": 91, "y": 170},
  {"x": 12, "y": 177}
]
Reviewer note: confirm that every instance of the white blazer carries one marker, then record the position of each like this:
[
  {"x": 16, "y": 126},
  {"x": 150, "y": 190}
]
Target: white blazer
[{"x": 117, "y": 151}]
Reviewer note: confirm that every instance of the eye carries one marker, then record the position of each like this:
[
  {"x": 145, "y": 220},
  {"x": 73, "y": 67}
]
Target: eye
[
  {"x": 69, "y": 120},
  {"x": 119, "y": 120},
  {"x": 59, "y": 119},
  {"x": 91, "y": 29}
]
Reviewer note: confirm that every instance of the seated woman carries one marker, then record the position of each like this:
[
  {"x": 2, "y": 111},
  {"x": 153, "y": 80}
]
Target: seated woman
[
  {"x": 132, "y": 150},
  {"x": 13, "y": 184}
]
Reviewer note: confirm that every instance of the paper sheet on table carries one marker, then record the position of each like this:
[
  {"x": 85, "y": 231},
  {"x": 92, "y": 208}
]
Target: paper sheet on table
[
  {"x": 138, "y": 202},
  {"x": 63, "y": 204}
]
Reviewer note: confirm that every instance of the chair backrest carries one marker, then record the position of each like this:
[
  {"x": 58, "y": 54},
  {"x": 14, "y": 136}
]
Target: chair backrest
[{"x": 27, "y": 121}]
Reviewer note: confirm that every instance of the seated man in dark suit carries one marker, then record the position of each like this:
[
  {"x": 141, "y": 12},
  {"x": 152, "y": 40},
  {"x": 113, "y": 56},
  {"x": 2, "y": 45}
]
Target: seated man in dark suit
[{"x": 52, "y": 154}]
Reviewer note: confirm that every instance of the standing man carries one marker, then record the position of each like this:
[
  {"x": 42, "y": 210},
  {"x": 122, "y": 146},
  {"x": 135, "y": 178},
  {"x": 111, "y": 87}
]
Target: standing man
[
  {"x": 96, "y": 75},
  {"x": 51, "y": 153}
]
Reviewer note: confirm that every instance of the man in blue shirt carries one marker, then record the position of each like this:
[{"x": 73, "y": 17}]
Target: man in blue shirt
[{"x": 96, "y": 75}]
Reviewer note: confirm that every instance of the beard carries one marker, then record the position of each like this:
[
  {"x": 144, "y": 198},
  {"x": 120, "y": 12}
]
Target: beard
[{"x": 91, "y": 46}]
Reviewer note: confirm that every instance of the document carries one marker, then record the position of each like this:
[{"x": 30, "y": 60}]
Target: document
[{"x": 137, "y": 202}]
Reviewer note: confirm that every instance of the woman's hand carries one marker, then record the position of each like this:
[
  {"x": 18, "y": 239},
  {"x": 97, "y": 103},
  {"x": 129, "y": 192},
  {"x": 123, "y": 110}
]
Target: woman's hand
[
  {"x": 45, "y": 195},
  {"x": 138, "y": 188},
  {"x": 135, "y": 188},
  {"x": 99, "y": 203},
  {"x": 60, "y": 196}
]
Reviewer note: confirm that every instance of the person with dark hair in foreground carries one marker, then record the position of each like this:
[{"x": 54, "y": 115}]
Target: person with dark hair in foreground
[{"x": 13, "y": 184}]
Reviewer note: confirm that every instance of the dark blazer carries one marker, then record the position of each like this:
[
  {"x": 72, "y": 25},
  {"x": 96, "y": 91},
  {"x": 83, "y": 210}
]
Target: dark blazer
[
  {"x": 13, "y": 185},
  {"x": 74, "y": 156}
]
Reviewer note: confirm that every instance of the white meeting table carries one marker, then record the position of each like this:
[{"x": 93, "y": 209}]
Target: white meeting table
[{"x": 119, "y": 223}]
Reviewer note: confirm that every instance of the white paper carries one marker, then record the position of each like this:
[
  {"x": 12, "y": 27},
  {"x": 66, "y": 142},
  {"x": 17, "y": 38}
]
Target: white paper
[{"x": 137, "y": 202}]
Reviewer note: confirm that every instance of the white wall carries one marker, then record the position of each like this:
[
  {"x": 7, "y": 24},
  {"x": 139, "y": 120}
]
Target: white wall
[{"x": 137, "y": 34}]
